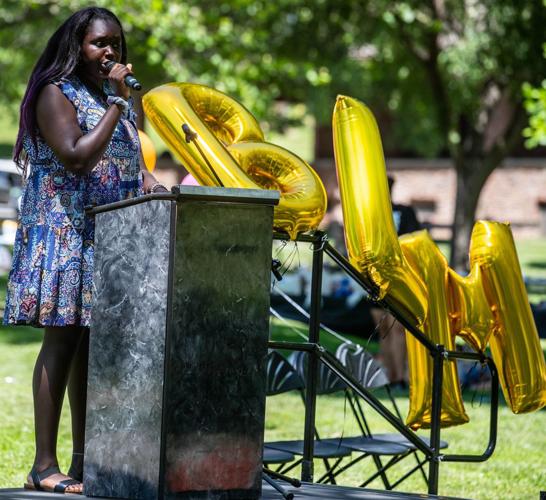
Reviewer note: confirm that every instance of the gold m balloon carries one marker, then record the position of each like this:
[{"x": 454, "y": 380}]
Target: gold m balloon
[
  {"x": 430, "y": 265},
  {"x": 514, "y": 342},
  {"x": 233, "y": 143},
  {"x": 488, "y": 306}
]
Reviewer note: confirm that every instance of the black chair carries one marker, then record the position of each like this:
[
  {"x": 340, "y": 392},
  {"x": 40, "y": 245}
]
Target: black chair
[
  {"x": 371, "y": 375},
  {"x": 281, "y": 378},
  {"x": 271, "y": 456},
  {"x": 367, "y": 446}
]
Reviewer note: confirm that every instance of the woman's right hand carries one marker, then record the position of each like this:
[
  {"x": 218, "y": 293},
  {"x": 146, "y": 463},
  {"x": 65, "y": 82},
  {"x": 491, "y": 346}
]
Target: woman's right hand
[{"x": 116, "y": 77}]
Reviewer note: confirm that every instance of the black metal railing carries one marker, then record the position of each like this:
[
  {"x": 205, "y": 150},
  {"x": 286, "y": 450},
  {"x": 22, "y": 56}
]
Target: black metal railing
[{"x": 440, "y": 355}]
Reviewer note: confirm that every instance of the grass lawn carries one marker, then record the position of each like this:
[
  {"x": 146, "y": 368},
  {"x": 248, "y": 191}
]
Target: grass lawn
[{"x": 516, "y": 470}]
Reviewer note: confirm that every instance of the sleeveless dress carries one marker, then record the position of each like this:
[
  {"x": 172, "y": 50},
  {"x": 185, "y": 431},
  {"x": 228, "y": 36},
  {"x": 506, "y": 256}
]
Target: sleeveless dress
[{"x": 52, "y": 273}]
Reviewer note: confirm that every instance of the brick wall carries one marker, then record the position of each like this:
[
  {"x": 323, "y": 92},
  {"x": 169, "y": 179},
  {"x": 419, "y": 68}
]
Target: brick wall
[{"x": 515, "y": 192}]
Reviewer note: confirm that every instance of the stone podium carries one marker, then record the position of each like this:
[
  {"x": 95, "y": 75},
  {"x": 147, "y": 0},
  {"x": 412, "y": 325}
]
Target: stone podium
[{"x": 179, "y": 331}]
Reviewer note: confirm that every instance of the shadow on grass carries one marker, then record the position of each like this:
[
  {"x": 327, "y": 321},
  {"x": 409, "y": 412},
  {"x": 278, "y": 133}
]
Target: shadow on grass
[
  {"x": 18, "y": 335},
  {"x": 537, "y": 265},
  {"x": 6, "y": 150}
]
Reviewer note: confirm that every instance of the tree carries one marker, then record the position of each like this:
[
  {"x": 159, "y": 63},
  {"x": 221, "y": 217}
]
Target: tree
[
  {"x": 476, "y": 57},
  {"x": 535, "y": 104},
  {"x": 448, "y": 72}
]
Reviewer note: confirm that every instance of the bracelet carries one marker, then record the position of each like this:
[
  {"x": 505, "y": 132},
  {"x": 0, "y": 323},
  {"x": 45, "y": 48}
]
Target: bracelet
[
  {"x": 154, "y": 186},
  {"x": 119, "y": 101}
]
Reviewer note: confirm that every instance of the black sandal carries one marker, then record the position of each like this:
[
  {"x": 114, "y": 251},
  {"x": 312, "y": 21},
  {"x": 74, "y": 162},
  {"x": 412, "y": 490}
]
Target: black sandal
[
  {"x": 76, "y": 472},
  {"x": 38, "y": 477}
]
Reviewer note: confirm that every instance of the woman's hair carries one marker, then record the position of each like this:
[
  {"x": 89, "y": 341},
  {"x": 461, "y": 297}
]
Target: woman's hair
[{"x": 59, "y": 60}]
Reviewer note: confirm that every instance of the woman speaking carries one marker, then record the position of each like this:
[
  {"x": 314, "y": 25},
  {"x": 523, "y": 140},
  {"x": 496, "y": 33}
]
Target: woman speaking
[{"x": 77, "y": 145}]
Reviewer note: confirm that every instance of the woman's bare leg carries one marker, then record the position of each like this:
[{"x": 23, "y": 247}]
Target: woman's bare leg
[
  {"x": 49, "y": 383},
  {"x": 392, "y": 343},
  {"x": 77, "y": 395}
]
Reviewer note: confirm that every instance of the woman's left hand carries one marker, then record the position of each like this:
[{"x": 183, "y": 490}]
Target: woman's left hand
[{"x": 151, "y": 185}]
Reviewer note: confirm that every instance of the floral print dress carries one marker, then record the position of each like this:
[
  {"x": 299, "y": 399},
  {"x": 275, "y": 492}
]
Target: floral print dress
[{"x": 52, "y": 274}]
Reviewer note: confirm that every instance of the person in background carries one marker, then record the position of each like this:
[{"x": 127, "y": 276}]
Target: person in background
[
  {"x": 391, "y": 332},
  {"x": 78, "y": 146}
]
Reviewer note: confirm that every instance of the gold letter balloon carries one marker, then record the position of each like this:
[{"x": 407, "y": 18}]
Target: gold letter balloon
[
  {"x": 232, "y": 141},
  {"x": 489, "y": 306}
]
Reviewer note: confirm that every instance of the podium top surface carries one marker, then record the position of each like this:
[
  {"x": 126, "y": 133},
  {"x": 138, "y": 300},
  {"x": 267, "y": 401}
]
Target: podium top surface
[{"x": 197, "y": 193}]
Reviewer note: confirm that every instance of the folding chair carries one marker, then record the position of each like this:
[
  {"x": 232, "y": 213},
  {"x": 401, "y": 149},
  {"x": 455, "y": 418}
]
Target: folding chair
[
  {"x": 366, "y": 445},
  {"x": 371, "y": 375},
  {"x": 282, "y": 377},
  {"x": 272, "y": 456}
]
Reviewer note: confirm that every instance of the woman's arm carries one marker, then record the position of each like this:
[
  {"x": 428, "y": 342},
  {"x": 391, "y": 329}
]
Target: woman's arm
[
  {"x": 58, "y": 124},
  {"x": 59, "y": 127}
]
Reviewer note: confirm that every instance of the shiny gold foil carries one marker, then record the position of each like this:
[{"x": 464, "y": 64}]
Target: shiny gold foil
[
  {"x": 430, "y": 265},
  {"x": 303, "y": 199},
  {"x": 228, "y": 133},
  {"x": 514, "y": 342},
  {"x": 489, "y": 306},
  {"x": 370, "y": 235}
]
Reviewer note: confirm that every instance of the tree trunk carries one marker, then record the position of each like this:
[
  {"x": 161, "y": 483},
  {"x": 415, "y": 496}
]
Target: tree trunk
[
  {"x": 324, "y": 144},
  {"x": 470, "y": 181}
]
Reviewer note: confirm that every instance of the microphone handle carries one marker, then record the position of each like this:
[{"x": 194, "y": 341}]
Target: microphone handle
[
  {"x": 132, "y": 82},
  {"x": 129, "y": 80}
]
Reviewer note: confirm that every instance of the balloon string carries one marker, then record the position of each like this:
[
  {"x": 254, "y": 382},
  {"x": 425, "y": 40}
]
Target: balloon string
[
  {"x": 287, "y": 262},
  {"x": 387, "y": 333},
  {"x": 284, "y": 321},
  {"x": 291, "y": 256},
  {"x": 479, "y": 387},
  {"x": 302, "y": 311},
  {"x": 192, "y": 137},
  {"x": 373, "y": 334}
]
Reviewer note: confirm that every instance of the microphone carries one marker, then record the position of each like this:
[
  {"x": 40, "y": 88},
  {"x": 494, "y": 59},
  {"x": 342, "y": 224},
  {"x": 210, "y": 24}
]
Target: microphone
[{"x": 129, "y": 80}]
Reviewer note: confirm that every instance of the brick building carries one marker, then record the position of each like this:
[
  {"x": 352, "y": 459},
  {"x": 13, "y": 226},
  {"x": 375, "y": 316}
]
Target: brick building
[{"x": 515, "y": 192}]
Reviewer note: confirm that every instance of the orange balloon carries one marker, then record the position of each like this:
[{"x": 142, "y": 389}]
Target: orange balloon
[{"x": 148, "y": 151}]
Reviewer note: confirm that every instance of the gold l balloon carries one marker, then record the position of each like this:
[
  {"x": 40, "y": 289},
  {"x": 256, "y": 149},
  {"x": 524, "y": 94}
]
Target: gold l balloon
[{"x": 370, "y": 236}]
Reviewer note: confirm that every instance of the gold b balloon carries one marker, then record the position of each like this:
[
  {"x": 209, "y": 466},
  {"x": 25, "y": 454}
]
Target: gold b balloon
[
  {"x": 233, "y": 143},
  {"x": 488, "y": 306}
]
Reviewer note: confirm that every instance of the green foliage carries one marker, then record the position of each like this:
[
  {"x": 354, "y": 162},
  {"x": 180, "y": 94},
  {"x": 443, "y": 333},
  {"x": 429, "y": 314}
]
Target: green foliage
[
  {"x": 535, "y": 104},
  {"x": 429, "y": 67}
]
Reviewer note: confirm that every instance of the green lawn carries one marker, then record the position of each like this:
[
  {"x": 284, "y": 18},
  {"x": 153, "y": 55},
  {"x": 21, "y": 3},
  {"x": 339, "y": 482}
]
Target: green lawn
[{"x": 516, "y": 470}]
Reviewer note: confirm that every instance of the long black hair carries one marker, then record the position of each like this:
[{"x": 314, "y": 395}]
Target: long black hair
[{"x": 59, "y": 60}]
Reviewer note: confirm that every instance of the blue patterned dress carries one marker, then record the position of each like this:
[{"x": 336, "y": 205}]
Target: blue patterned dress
[{"x": 51, "y": 279}]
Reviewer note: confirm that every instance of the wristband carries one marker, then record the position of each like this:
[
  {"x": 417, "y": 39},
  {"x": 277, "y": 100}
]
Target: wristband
[
  {"x": 118, "y": 101},
  {"x": 153, "y": 187}
]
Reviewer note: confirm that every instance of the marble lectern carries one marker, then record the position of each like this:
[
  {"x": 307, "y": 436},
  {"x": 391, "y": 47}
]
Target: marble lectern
[{"x": 179, "y": 331}]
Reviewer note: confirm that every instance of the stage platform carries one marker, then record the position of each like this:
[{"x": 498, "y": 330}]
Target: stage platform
[{"x": 306, "y": 492}]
